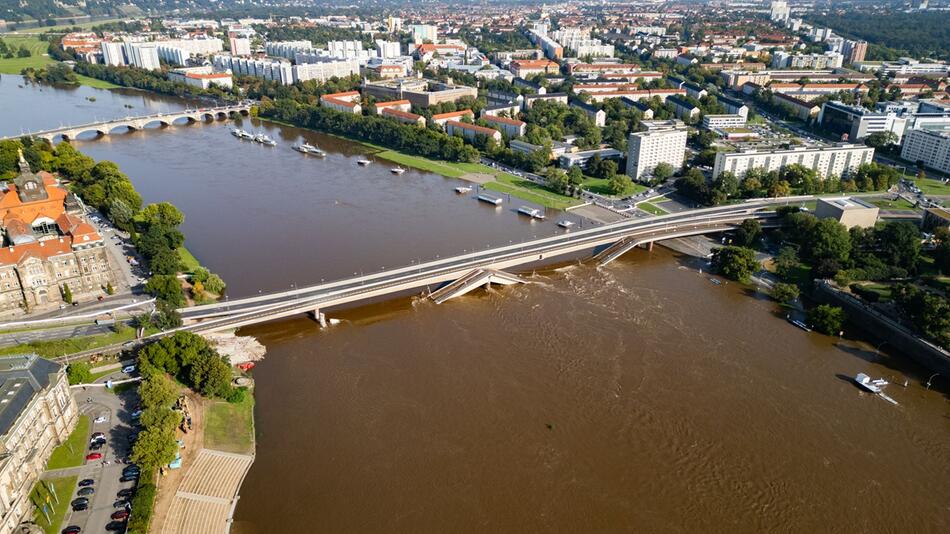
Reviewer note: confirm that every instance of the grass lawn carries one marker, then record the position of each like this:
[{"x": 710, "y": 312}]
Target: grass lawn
[
  {"x": 72, "y": 451},
  {"x": 445, "y": 168},
  {"x": 883, "y": 291},
  {"x": 599, "y": 186},
  {"x": 188, "y": 260},
  {"x": 933, "y": 187},
  {"x": 39, "y": 60},
  {"x": 229, "y": 426},
  {"x": 939, "y": 282},
  {"x": 58, "y": 347},
  {"x": 650, "y": 207},
  {"x": 899, "y": 204},
  {"x": 530, "y": 191},
  {"x": 63, "y": 489}
]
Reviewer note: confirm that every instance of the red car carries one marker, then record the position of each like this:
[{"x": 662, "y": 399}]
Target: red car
[
  {"x": 121, "y": 514},
  {"x": 94, "y": 456}
]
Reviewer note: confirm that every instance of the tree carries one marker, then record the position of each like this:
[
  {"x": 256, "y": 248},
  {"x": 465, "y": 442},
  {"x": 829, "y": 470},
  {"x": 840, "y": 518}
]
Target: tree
[
  {"x": 941, "y": 252},
  {"x": 109, "y": 289},
  {"x": 662, "y": 171},
  {"x": 78, "y": 373},
  {"x": 140, "y": 323},
  {"x": 160, "y": 417},
  {"x": 737, "y": 263},
  {"x": 156, "y": 389},
  {"x": 779, "y": 189},
  {"x": 162, "y": 214},
  {"x": 617, "y": 184},
  {"x": 826, "y": 319},
  {"x": 165, "y": 262},
  {"x": 786, "y": 262},
  {"x": 215, "y": 284},
  {"x": 899, "y": 244},
  {"x": 67, "y": 294},
  {"x": 879, "y": 140},
  {"x": 748, "y": 233},
  {"x": 154, "y": 448},
  {"x": 829, "y": 240},
  {"x": 575, "y": 175},
  {"x": 784, "y": 293},
  {"x": 166, "y": 288}
]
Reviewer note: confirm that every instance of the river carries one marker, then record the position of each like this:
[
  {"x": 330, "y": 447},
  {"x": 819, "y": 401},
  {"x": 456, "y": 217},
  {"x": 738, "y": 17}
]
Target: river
[{"x": 636, "y": 397}]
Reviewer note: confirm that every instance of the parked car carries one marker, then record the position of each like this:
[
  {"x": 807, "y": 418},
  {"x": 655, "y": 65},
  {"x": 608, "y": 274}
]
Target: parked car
[
  {"x": 128, "y": 369},
  {"x": 97, "y": 436},
  {"x": 72, "y": 529},
  {"x": 86, "y": 482},
  {"x": 116, "y": 526},
  {"x": 121, "y": 514},
  {"x": 80, "y": 507},
  {"x": 125, "y": 492},
  {"x": 96, "y": 446},
  {"x": 129, "y": 478},
  {"x": 100, "y": 419},
  {"x": 81, "y": 500},
  {"x": 121, "y": 503},
  {"x": 136, "y": 414},
  {"x": 88, "y": 490},
  {"x": 131, "y": 470},
  {"x": 94, "y": 456}
]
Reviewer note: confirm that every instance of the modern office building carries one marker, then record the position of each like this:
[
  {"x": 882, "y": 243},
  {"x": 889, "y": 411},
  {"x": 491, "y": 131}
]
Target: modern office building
[
  {"x": 583, "y": 157},
  {"x": 662, "y": 142},
  {"x": 836, "y": 160},
  {"x": 857, "y": 122},
  {"x": 732, "y": 120},
  {"x": 851, "y": 212},
  {"x": 37, "y": 414},
  {"x": 930, "y": 147}
]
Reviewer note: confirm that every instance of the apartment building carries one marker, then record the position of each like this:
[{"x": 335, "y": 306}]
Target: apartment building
[
  {"x": 930, "y": 147},
  {"x": 510, "y": 127},
  {"x": 346, "y": 102},
  {"x": 836, "y": 160},
  {"x": 531, "y": 67},
  {"x": 662, "y": 142},
  {"x": 404, "y": 117},
  {"x": 471, "y": 131},
  {"x": 37, "y": 415}
]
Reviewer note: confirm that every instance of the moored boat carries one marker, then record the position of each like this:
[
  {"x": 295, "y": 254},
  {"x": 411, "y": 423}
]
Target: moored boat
[
  {"x": 397, "y": 170},
  {"x": 564, "y": 223},
  {"x": 462, "y": 189},
  {"x": 534, "y": 213}
]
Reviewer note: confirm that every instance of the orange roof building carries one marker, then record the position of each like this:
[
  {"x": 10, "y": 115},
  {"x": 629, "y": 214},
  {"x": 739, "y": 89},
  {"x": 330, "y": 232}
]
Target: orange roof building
[{"x": 47, "y": 245}]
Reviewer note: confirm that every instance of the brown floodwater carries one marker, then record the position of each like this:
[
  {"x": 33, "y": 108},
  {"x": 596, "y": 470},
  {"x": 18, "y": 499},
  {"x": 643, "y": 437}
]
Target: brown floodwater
[{"x": 639, "y": 397}]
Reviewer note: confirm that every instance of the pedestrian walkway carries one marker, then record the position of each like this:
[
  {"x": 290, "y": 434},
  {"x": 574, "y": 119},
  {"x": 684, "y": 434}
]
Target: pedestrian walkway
[{"x": 208, "y": 494}]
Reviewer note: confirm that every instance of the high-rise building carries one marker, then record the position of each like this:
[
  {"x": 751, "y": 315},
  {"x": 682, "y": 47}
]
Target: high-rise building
[
  {"x": 240, "y": 46},
  {"x": 112, "y": 54},
  {"x": 387, "y": 49},
  {"x": 394, "y": 24},
  {"x": 424, "y": 32},
  {"x": 931, "y": 147},
  {"x": 780, "y": 11},
  {"x": 855, "y": 51},
  {"x": 662, "y": 142},
  {"x": 142, "y": 55},
  {"x": 837, "y": 160}
]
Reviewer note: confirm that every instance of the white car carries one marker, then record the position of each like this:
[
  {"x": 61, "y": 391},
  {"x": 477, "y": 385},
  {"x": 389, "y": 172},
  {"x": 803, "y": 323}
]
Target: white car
[
  {"x": 129, "y": 369},
  {"x": 100, "y": 419}
]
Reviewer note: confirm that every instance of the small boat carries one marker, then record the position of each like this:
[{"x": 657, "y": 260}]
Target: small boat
[
  {"x": 865, "y": 382},
  {"x": 564, "y": 223},
  {"x": 798, "y": 323},
  {"x": 363, "y": 162},
  {"x": 534, "y": 213},
  {"x": 715, "y": 281},
  {"x": 264, "y": 140},
  {"x": 462, "y": 189},
  {"x": 304, "y": 148},
  {"x": 397, "y": 170},
  {"x": 490, "y": 199},
  {"x": 236, "y": 132}
]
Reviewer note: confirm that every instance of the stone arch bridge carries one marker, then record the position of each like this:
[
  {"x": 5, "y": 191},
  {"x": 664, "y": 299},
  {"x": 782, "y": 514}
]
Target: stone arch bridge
[{"x": 103, "y": 128}]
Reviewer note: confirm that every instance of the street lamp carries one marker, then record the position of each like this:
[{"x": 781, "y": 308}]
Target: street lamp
[{"x": 930, "y": 380}]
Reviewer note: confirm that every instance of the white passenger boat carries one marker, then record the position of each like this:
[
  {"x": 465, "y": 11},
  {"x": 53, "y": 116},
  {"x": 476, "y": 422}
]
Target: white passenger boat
[
  {"x": 534, "y": 213},
  {"x": 363, "y": 162},
  {"x": 865, "y": 382},
  {"x": 309, "y": 149},
  {"x": 264, "y": 140},
  {"x": 397, "y": 170},
  {"x": 462, "y": 189},
  {"x": 565, "y": 224}
]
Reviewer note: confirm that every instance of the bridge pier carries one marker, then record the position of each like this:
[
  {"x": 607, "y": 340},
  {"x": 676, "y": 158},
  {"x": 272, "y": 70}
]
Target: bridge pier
[{"x": 319, "y": 316}]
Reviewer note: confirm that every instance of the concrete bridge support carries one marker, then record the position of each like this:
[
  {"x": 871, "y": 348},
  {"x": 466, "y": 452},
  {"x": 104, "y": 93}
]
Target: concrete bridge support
[
  {"x": 319, "y": 316},
  {"x": 473, "y": 280}
]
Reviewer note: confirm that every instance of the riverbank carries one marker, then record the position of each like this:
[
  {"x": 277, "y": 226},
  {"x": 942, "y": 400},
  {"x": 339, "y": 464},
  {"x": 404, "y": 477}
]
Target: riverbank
[{"x": 497, "y": 180}]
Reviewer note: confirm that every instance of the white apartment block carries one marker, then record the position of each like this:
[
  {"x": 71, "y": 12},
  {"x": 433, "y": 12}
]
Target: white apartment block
[
  {"x": 112, "y": 53},
  {"x": 325, "y": 70},
  {"x": 838, "y": 160},
  {"x": 142, "y": 55},
  {"x": 240, "y": 46},
  {"x": 286, "y": 49},
  {"x": 387, "y": 49},
  {"x": 662, "y": 142},
  {"x": 347, "y": 50},
  {"x": 37, "y": 414},
  {"x": 424, "y": 32},
  {"x": 267, "y": 69},
  {"x": 928, "y": 146},
  {"x": 779, "y": 11}
]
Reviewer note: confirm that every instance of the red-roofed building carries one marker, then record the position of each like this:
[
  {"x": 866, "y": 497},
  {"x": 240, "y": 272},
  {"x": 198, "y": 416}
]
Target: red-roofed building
[
  {"x": 47, "y": 246},
  {"x": 442, "y": 118},
  {"x": 511, "y": 127},
  {"x": 404, "y": 117},
  {"x": 401, "y": 105},
  {"x": 470, "y": 131},
  {"x": 530, "y": 67},
  {"x": 346, "y": 102}
]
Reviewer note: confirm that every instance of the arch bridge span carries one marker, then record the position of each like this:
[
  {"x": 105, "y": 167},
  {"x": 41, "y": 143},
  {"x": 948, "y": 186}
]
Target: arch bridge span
[{"x": 103, "y": 128}]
